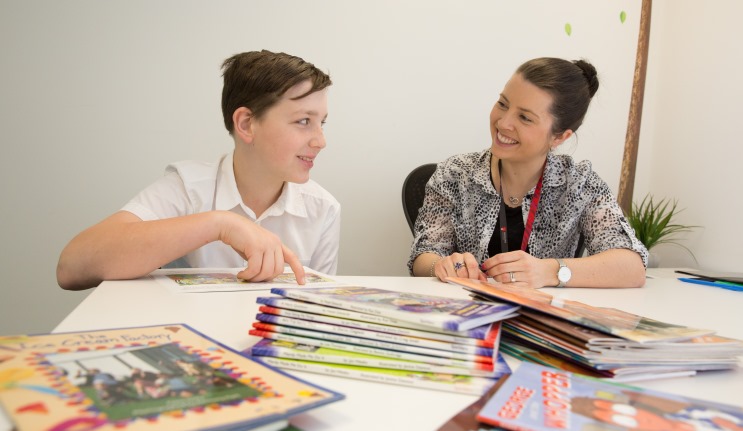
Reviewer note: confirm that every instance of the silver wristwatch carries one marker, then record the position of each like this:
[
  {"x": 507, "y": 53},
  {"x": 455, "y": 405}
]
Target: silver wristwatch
[{"x": 563, "y": 274}]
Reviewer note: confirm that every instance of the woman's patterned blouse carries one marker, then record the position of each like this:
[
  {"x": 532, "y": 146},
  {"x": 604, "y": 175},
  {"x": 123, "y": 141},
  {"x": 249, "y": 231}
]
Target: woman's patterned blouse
[{"x": 461, "y": 206}]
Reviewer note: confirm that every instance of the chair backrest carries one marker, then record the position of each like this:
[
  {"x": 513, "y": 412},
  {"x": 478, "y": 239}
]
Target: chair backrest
[{"x": 414, "y": 190}]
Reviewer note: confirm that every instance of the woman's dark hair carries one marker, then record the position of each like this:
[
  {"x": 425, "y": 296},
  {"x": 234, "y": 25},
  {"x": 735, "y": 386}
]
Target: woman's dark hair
[
  {"x": 572, "y": 84},
  {"x": 257, "y": 80}
]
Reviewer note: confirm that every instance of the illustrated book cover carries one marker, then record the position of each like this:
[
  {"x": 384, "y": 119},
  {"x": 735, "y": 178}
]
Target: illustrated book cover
[
  {"x": 464, "y": 384},
  {"x": 202, "y": 280},
  {"x": 260, "y": 327},
  {"x": 538, "y": 398},
  {"x": 307, "y": 352},
  {"x": 317, "y": 312},
  {"x": 433, "y": 311},
  {"x": 308, "y": 326},
  {"x": 609, "y": 320},
  {"x": 478, "y": 363},
  {"x": 487, "y": 337},
  {"x": 165, "y": 377}
]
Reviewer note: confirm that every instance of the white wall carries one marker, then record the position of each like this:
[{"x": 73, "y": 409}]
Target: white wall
[
  {"x": 97, "y": 97},
  {"x": 690, "y": 145}
]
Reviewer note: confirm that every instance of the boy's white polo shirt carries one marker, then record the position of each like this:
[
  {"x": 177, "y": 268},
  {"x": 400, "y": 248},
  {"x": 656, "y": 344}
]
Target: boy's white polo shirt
[{"x": 306, "y": 216}]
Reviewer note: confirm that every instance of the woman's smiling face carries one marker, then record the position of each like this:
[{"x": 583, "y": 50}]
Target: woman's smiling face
[{"x": 521, "y": 122}]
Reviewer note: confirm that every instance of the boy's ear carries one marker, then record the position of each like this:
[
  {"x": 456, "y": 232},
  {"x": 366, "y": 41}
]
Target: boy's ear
[{"x": 242, "y": 119}]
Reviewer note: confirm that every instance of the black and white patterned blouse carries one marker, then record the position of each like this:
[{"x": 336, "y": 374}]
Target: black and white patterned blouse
[{"x": 461, "y": 206}]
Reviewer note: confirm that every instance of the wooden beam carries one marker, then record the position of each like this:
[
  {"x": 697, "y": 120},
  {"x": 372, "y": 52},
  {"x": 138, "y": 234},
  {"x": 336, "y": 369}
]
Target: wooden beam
[{"x": 629, "y": 160}]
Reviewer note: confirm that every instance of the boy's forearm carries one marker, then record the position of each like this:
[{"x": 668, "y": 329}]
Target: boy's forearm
[{"x": 123, "y": 248}]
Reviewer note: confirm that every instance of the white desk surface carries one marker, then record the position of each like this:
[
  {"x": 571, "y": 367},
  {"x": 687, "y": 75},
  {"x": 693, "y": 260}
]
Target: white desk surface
[{"x": 227, "y": 317}]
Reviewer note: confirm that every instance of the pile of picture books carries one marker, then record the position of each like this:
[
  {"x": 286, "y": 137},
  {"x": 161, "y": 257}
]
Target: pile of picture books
[
  {"x": 385, "y": 336},
  {"x": 536, "y": 397},
  {"x": 603, "y": 342},
  {"x": 166, "y": 377}
]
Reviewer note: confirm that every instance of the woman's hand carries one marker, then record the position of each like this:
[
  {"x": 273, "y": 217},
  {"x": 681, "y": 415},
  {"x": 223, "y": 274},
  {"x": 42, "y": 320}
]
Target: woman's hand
[
  {"x": 462, "y": 265},
  {"x": 521, "y": 269}
]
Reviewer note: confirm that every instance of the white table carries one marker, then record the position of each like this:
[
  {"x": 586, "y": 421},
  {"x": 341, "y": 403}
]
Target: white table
[{"x": 227, "y": 317}]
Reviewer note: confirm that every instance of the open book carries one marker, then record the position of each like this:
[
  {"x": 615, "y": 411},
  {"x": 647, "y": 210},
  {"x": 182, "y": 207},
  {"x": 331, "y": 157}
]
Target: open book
[{"x": 200, "y": 280}]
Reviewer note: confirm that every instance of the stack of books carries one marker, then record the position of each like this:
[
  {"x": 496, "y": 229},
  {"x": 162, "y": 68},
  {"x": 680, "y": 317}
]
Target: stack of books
[
  {"x": 385, "y": 336},
  {"x": 603, "y": 342},
  {"x": 536, "y": 397}
]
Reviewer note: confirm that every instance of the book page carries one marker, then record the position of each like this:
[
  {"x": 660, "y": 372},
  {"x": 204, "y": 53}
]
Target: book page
[{"x": 200, "y": 280}]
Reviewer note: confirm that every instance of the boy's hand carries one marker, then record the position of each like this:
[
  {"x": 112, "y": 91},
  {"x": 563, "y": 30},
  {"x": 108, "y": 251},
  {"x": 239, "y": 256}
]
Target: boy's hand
[{"x": 262, "y": 249}]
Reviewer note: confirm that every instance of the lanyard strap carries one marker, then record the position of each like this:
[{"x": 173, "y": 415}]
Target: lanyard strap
[{"x": 529, "y": 219}]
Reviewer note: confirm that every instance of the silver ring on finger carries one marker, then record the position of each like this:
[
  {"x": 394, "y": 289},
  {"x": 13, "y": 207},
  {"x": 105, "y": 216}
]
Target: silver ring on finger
[
  {"x": 458, "y": 266},
  {"x": 513, "y": 278}
]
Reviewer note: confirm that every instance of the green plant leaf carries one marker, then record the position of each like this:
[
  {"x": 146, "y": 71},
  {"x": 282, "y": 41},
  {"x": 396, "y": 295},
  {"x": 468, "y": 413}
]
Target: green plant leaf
[
  {"x": 622, "y": 16},
  {"x": 568, "y": 29},
  {"x": 652, "y": 222}
]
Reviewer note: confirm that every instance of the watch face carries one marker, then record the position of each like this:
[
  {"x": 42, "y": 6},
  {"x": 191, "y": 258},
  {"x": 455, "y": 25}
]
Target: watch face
[{"x": 564, "y": 274}]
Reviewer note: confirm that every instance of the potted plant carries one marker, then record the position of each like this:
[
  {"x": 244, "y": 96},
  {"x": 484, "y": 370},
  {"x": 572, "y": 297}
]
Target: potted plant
[{"x": 652, "y": 222}]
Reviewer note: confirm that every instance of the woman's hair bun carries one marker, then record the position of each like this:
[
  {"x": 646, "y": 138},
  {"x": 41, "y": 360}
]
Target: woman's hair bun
[{"x": 589, "y": 72}]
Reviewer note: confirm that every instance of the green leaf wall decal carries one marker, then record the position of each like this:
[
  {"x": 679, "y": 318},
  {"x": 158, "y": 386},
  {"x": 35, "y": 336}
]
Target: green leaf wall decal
[
  {"x": 568, "y": 29},
  {"x": 622, "y": 16}
]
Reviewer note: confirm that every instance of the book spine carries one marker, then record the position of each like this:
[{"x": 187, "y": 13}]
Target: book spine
[
  {"x": 465, "y": 385},
  {"x": 364, "y": 361},
  {"x": 437, "y": 360},
  {"x": 372, "y": 343},
  {"x": 488, "y": 342},
  {"x": 374, "y": 335}
]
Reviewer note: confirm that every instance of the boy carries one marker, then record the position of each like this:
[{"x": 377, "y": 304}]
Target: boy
[{"x": 256, "y": 207}]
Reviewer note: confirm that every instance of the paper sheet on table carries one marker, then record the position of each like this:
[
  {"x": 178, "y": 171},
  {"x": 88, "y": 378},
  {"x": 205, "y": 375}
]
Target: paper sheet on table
[{"x": 200, "y": 280}]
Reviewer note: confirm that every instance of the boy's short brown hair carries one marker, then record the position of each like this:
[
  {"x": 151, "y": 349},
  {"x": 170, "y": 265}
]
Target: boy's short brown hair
[{"x": 257, "y": 80}]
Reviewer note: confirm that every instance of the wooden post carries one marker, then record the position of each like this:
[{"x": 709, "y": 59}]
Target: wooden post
[{"x": 629, "y": 160}]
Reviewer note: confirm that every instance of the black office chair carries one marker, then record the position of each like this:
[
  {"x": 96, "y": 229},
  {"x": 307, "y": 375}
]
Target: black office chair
[{"x": 414, "y": 190}]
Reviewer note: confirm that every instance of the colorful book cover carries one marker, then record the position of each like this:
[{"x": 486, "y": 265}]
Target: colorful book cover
[
  {"x": 199, "y": 280},
  {"x": 479, "y": 332},
  {"x": 443, "y": 382},
  {"x": 374, "y": 343},
  {"x": 308, "y": 326},
  {"x": 535, "y": 397},
  {"x": 608, "y": 320},
  {"x": 348, "y": 347},
  {"x": 486, "y": 338},
  {"x": 434, "y": 311},
  {"x": 168, "y": 377},
  {"x": 306, "y": 352}
]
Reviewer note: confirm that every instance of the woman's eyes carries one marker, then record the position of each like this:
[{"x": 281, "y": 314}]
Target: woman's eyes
[{"x": 525, "y": 118}]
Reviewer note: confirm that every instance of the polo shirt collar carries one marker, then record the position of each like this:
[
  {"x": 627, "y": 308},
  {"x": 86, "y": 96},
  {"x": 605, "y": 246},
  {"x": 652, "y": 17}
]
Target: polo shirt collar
[{"x": 291, "y": 199}]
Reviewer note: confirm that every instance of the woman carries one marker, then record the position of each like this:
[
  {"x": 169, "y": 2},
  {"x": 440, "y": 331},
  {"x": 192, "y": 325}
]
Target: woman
[{"x": 515, "y": 211}]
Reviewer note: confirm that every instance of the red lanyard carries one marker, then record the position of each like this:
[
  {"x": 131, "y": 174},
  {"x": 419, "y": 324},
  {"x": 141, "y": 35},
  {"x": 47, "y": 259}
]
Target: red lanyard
[
  {"x": 529, "y": 219},
  {"x": 532, "y": 212}
]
